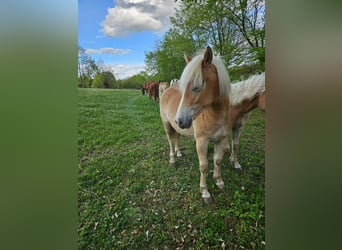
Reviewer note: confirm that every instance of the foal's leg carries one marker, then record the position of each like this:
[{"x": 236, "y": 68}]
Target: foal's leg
[
  {"x": 219, "y": 150},
  {"x": 236, "y": 131},
  {"x": 202, "y": 151}
]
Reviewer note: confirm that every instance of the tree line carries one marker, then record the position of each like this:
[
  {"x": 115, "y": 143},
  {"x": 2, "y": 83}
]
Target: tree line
[
  {"x": 235, "y": 29},
  {"x": 92, "y": 74}
]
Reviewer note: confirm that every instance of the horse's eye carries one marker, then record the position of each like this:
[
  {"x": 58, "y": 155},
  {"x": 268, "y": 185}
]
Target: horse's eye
[{"x": 196, "y": 89}]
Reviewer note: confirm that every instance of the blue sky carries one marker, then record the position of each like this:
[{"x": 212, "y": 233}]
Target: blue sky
[{"x": 120, "y": 32}]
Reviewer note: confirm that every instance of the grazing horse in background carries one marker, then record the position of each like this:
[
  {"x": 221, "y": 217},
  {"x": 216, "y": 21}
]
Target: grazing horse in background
[
  {"x": 153, "y": 90},
  {"x": 144, "y": 88},
  {"x": 200, "y": 108},
  {"x": 162, "y": 87},
  {"x": 174, "y": 82},
  {"x": 245, "y": 96}
]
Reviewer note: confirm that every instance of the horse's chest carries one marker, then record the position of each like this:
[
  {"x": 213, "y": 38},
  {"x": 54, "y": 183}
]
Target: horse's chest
[
  {"x": 219, "y": 134},
  {"x": 214, "y": 128},
  {"x": 212, "y": 133}
]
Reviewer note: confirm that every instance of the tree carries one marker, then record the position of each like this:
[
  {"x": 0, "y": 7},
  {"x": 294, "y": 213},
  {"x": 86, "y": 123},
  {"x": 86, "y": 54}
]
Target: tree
[
  {"x": 109, "y": 80},
  {"x": 166, "y": 62},
  {"x": 151, "y": 62},
  {"x": 235, "y": 29},
  {"x": 136, "y": 81},
  {"x": 87, "y": 68},
  {"x": 98, "y": 81},
  {"x": 104, "y": 80},
  {"x": 249, "y": 17}
]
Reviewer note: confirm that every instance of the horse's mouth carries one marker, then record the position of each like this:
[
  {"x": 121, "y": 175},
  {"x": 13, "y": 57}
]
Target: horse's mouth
[
  {"x": 184, "y": 117},
  {"x": 184, "y": 123}
]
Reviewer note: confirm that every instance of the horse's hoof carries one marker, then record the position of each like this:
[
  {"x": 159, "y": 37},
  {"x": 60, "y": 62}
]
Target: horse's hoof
[
  {"x": 172, "y": 160},
  {"x": 239, "y": 168},
  {"x": 207, "y": 200},
  {"x": 220, "y": 185}
]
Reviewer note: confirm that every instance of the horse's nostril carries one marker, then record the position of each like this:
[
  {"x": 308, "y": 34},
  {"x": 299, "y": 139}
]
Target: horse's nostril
[{"x": 176, "y": 121}]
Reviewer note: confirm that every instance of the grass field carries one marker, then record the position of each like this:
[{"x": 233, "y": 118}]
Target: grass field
[{"x": 130, "y": 198}]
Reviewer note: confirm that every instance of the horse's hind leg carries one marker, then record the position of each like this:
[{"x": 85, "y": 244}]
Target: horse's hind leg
[
  {"x": 236, "y": 132},
  {"x": 219, "y": 150}
]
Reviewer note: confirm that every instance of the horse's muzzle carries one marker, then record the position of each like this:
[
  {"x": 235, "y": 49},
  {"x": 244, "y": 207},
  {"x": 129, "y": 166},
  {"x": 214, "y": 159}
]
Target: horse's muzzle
[
  {"x": 184, "y": 117},
  {"x": 184, "y": 123}
]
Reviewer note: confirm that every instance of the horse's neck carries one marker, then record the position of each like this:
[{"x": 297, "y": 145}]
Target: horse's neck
[
  {"x": 220, "y": 105},
  {"x": 218, "y": 111}
]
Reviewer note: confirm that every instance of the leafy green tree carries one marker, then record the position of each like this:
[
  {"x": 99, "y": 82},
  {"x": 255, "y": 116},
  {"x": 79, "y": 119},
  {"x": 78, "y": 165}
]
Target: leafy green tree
[
  {"x": 235, "y": 29},
  {"x": 136, "y": 81},
  {"x": 87, "y": 68},
  {"x": 98, "y": 81},
  {"x": 109, "y": 80},
  {"x": 151, "y": 62},
  {"x": 249, "y": 18},
  {"x": 104, "y": 80},
  {"x": 167, "y": 61}
]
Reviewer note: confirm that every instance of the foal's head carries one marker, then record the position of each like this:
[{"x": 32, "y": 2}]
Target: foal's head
[{"x": 203, "y": 83}]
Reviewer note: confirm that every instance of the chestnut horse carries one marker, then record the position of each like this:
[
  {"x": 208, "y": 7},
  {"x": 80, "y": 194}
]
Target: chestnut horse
[
  {"x": 245, "y": 96},
  {"x": 144, "y": 88},
  {"x": 154, "y": 90},
  {"x": 200, "y": 108}
]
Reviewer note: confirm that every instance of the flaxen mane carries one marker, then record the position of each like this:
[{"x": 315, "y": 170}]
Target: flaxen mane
[{"x": 247, "y": 89}]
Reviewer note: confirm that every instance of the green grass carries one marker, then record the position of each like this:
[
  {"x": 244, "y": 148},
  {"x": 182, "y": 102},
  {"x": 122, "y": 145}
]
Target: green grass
[{"x": 131, "y": 198}]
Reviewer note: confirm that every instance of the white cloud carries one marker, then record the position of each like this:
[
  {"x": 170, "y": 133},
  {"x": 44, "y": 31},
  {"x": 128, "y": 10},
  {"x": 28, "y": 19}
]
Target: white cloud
[
  {"x": 122, "y": 71},
  {"x": 129, "y": 16},
  {"x": 111, "y": 51}
]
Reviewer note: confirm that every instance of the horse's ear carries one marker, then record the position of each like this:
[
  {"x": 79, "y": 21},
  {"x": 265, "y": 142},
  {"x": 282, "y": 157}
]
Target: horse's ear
[
  {"x": 208, "y": 55},
  {"x": 187, "y": 58}
]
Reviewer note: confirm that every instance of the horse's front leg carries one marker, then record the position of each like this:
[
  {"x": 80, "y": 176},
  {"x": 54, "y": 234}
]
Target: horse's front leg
[
  {"x": 177, "y": 148},
  {"x": 172, "y": 152},
  {"x": 202, "y": 152},
  {"x": 170, "y": 134},
  {"x": 220, "y": 148}
]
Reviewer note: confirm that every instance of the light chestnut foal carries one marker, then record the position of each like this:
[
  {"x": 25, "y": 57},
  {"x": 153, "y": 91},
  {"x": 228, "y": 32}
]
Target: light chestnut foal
[{"x": 200, "y": 108}]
